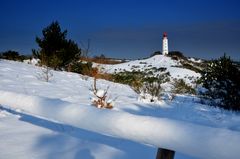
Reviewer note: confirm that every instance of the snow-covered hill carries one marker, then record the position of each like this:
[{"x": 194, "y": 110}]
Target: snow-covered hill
[
  {"x": 24, "y": 135},
  {"x": 156, "y": 64}
]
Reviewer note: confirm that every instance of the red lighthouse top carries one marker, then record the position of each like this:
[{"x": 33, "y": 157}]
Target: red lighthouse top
[{"x": 165, "y": 34}]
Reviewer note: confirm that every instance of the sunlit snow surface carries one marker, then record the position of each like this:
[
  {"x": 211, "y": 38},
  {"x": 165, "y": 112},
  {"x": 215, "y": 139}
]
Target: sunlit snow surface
[
  {"x": 157, "y": 61},
  {"x": 26, "y": 136}
]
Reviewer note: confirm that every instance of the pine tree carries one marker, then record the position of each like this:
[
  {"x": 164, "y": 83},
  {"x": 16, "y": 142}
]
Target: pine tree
[
  {"x": 222, "y": 81},
  {"x": 55, "y": 50}
]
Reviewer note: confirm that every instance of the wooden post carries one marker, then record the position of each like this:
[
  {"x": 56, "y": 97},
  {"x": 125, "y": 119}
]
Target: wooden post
[{"x": 165, "y": 154}]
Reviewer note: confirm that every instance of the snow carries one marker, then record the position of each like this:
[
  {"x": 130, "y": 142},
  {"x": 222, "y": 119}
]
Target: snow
[
  {"x": 195, "y": 60},
  {"x": 66, "y": 101},
  {"x": 100, "y": 93},
  {"x": 32, "y": 61},
  {"x": 157, "y": 61},
  {"x": 158, "y": 132},
  {"x": 22, "y": 140}
]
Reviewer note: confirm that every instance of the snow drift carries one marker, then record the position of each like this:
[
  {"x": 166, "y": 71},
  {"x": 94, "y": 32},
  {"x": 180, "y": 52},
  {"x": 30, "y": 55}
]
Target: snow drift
[{"x": 191, "y": 139}]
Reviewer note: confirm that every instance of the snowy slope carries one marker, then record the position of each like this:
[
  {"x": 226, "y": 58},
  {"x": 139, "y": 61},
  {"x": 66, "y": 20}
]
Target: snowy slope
[
  {"x": 157, "y": 132},
  {"x": 72, "y": 88},
  {"x": 157, "y": 61}
]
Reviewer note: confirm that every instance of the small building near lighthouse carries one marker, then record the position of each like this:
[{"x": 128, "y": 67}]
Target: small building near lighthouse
[{"x": 165, "y": 44}]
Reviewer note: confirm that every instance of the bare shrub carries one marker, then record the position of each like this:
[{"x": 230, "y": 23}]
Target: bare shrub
[
  {"x": 152, "y": 87},
  {"x": 100, "y": 100},
  {"x": 181, "y": 87},
  {"x": 46, "y": 74}
]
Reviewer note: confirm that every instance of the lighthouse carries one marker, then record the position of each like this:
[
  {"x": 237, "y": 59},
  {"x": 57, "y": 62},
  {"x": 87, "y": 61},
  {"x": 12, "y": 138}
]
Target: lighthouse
[{"x": 165, "y": 44}]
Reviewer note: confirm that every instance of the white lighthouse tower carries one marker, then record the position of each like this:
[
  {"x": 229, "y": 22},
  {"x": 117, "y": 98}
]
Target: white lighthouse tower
[{"x": 165, "y": 44}]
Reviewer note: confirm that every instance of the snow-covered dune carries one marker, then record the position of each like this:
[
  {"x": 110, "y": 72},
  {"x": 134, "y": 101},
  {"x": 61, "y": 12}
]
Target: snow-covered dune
[
  {"x": 157, "y": 61},
  {"x": 67, "y": 97},
  {"x": 195, "y": 140}
]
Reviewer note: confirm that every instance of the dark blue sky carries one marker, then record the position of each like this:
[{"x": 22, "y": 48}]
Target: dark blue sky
[{"x": 127, "y": 28}]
